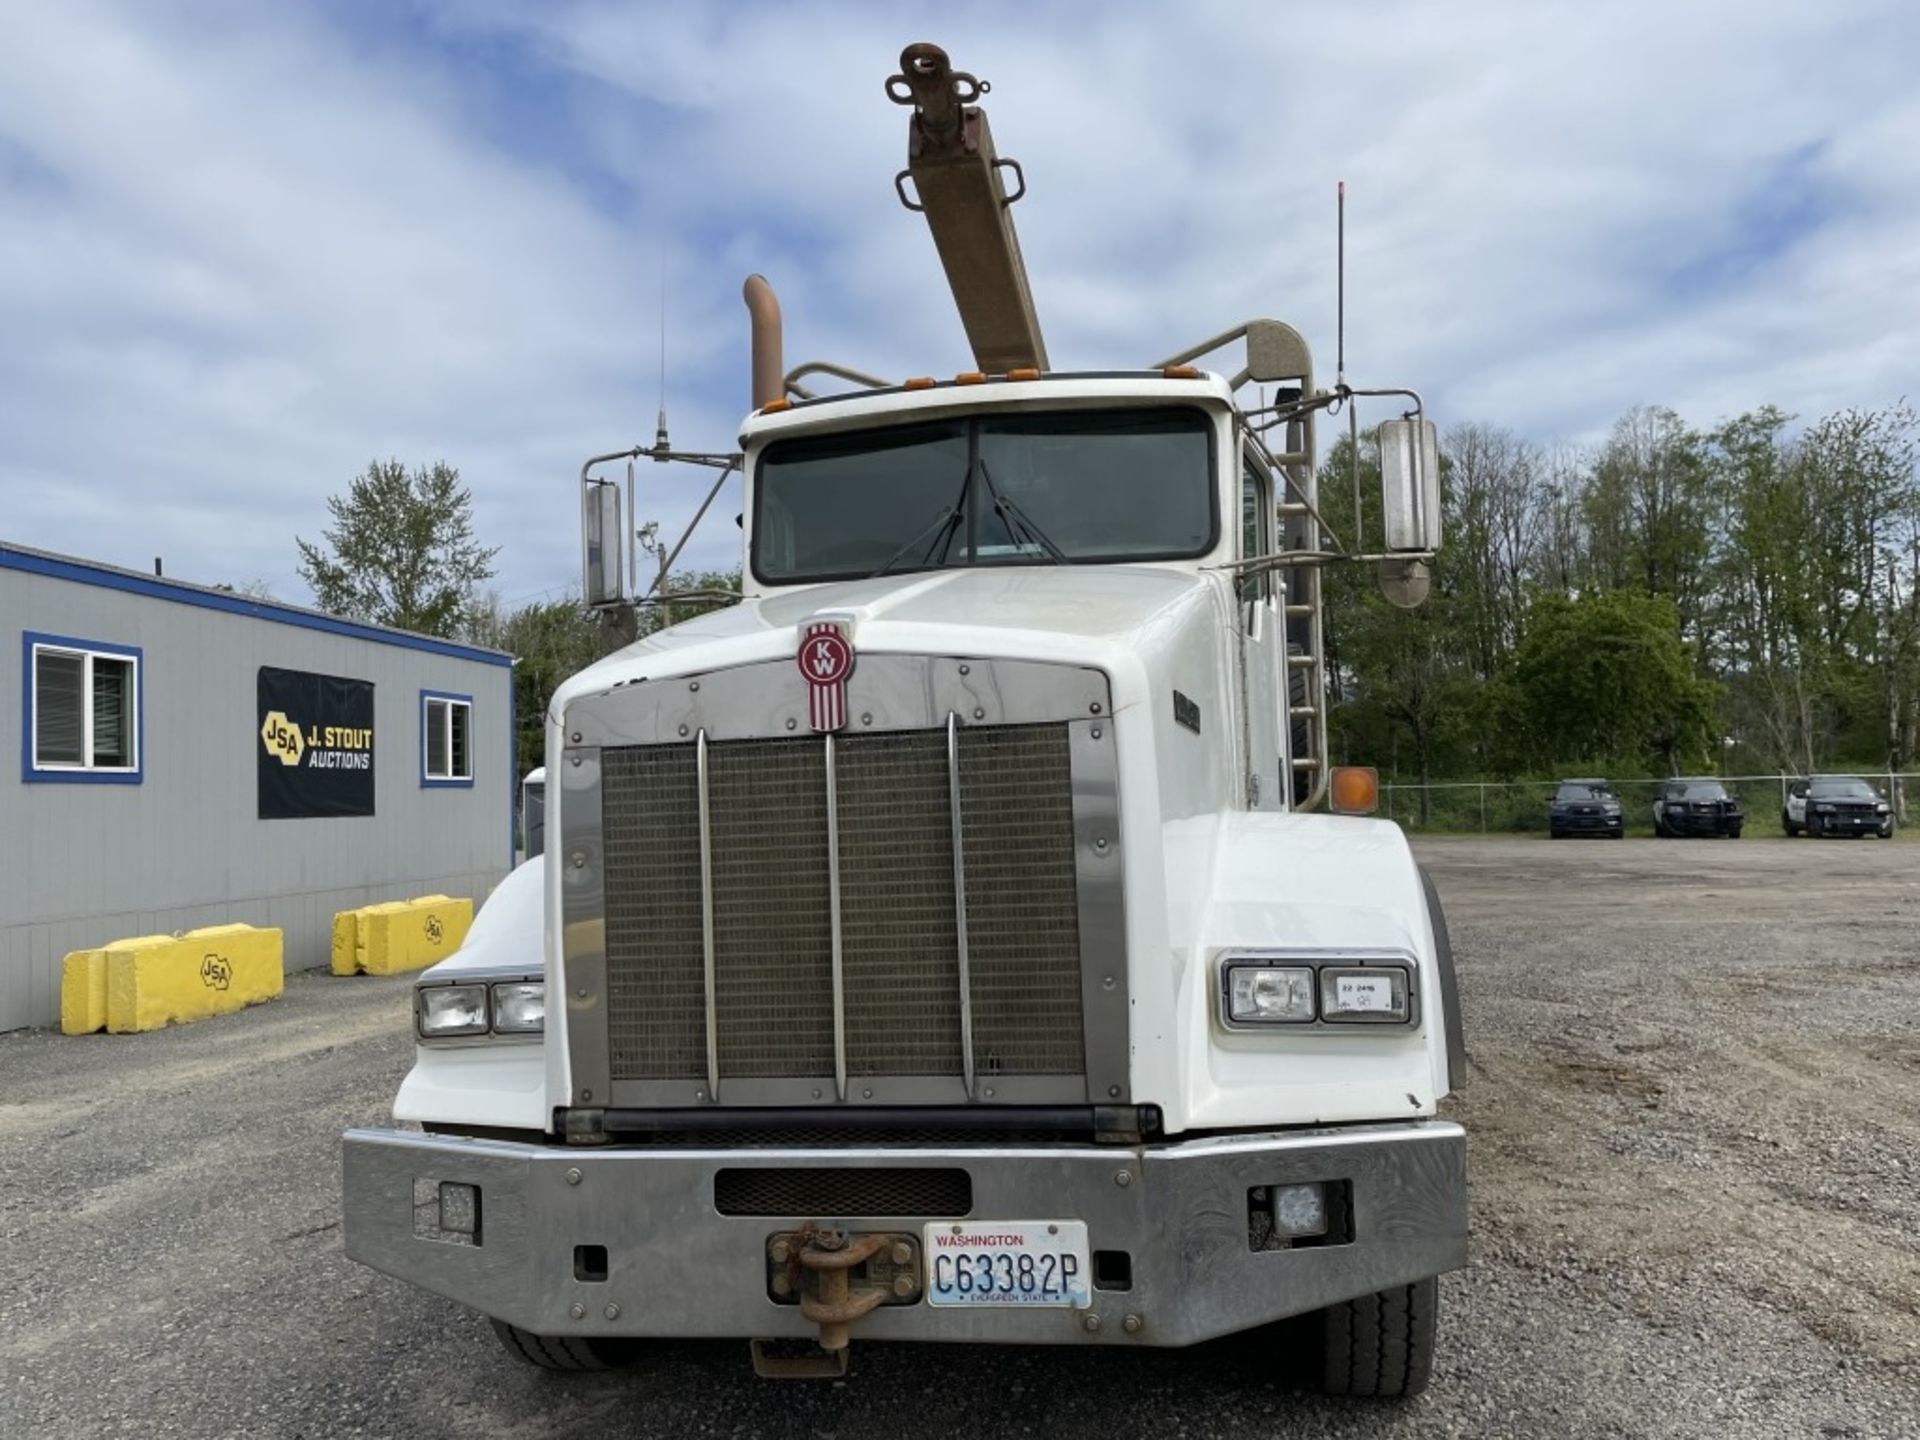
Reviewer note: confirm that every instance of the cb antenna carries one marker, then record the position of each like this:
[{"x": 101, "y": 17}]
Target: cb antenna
[
  {"x": 660, "y": 444},
  {"x": 1340, "y": 357},
  {"x": 1340, "y": 286}
]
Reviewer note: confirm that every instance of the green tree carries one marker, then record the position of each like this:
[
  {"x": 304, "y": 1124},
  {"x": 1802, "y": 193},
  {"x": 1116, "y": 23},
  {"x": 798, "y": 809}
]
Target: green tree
[
  {"x": 552, "y": 640},
  {"x": 1648, "y": 513},
  {"x": 400, "y": 551},
  {"x": 1403, "y": 681},
  {"x": 1606, "y": 678},
  {"x": 549, "y": 640}
]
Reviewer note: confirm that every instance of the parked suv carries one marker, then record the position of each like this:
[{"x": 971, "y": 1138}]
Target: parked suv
[
  {"x": 1696, "y": 807},
  {"x": 1585, "y": 807},
  {"x": 1837, "y": 805}
]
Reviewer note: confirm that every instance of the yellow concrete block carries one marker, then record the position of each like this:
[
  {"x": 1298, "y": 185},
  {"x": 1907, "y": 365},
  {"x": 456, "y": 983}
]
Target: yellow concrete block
[
  {"x": 412, "y": 934},
  {"x": 363, "y": 931},
  {"x": 343, "y": 959},
  {"x": 204, "y": 972},
  {"x": 83, "y": 992},
  {"x": 83, "y": 985}
]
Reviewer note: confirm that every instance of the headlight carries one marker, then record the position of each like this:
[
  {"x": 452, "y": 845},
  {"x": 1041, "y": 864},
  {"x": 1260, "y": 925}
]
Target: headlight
[
  {"x": 520, "y": 1007},
  {"x": 446, "y": 1010},
  {"x": 1362, "y": 994},
  {"x": 1269, "y": 994},
  {"x": 1884, "y": 808}
]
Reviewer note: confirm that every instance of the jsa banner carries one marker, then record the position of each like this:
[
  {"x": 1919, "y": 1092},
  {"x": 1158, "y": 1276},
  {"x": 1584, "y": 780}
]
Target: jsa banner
[{"x": 316, "y": 745}]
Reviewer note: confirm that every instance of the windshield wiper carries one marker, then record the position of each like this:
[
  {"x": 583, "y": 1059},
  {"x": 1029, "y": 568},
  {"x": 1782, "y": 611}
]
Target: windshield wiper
[
  {"x": 942, "y": 528},
  {"x": 1011, "y": 514}
]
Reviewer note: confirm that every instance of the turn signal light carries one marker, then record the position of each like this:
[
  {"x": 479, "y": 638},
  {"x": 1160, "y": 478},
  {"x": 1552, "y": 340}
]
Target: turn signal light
[{"x": 1355, "y": 790}]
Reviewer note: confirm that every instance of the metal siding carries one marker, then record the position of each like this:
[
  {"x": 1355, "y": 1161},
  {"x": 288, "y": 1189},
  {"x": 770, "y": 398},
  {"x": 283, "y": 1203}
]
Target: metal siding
[{"x": 184, "y": 847}]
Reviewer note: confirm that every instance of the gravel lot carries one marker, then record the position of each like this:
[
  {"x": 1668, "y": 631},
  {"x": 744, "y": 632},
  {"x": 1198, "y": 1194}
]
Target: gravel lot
[{"x": 1695, "y": 1157}]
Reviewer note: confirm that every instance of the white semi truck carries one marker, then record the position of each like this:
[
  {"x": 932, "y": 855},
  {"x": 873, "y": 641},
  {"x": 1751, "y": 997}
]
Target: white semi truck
[{"x": 946, "y": 942}]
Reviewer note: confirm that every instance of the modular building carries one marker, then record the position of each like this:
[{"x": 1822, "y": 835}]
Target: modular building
[{"x": 191, "y": 756}]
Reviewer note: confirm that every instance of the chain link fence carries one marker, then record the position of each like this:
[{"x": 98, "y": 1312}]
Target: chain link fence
[{"x": 1518, "y": 807}]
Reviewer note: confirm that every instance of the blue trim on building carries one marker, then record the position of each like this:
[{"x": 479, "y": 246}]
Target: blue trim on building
[
  {"x": 32, "y": 774},
  {"x": 153, "y": 587},
  {"x": 427, "y": 782}
]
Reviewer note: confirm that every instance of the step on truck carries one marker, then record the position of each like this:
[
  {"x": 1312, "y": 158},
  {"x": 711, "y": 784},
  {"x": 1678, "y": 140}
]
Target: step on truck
[{"x": 964, "y": 935}]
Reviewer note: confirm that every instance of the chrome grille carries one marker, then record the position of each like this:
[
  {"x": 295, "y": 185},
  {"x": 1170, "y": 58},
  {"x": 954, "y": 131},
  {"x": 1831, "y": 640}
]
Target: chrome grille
[
  {"x": 896, "y": 894},
  {"x": 1023, "y": 927},
  {"x": 773, "y": 971},
  {"x": 899, "y": 932},
  {"x": 656, "y": 995}
]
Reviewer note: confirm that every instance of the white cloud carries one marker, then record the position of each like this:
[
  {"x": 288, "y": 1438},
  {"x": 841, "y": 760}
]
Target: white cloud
[{"x": 241, "y": 252}]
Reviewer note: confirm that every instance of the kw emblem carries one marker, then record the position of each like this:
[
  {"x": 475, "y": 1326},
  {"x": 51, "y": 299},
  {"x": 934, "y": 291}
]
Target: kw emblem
[{"x": 826, "y": 659}]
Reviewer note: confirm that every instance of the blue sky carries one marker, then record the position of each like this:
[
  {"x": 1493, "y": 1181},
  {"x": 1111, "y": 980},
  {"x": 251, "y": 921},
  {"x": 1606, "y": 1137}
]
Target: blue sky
[{"x": 244, "y": 248}]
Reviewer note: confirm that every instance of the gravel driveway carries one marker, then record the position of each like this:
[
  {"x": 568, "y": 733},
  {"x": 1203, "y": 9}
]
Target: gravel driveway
[{"x": 1694, "y": 1112}]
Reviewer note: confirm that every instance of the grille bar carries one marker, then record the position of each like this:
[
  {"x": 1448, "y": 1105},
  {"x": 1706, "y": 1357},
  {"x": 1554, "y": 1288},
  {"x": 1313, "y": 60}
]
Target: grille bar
[
  {"x": 960, "y": 902},
  {"x": 712, "y": 969},
  {"x": 833, "y": 910}
]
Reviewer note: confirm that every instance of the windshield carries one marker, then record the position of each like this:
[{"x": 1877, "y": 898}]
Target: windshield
[
  {"x": 1704, "y": 790},
  {"x": 1844, "y": 789},
  {"x": 1075, "y": 487},
  {"x": 1580, "y": 790}
]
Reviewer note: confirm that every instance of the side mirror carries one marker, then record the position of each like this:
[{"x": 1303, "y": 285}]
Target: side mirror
[
  {"x": 1410, "y": 485},
  {"x": 533, "y": 814},
  {"x": 601, "y": 547}
]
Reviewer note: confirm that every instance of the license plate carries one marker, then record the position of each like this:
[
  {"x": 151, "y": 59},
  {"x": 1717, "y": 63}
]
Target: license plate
[{"x": 1009, "y": 1262}]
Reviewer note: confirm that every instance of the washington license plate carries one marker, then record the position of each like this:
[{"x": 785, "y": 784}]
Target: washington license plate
[{"x": 1009, "y": 1262}]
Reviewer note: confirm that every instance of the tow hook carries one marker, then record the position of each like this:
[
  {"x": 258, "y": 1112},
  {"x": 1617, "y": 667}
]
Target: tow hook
[{"x": 838, "y": 1278}]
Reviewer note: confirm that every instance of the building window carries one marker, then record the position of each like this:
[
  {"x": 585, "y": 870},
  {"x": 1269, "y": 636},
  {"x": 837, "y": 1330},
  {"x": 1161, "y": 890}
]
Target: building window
[
  {"x": 83, "y": 710},
  {"x": 446, "y": 739}
]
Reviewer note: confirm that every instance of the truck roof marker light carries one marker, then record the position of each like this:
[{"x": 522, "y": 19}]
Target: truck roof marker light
[
  {"x": 1024, "y": 372},
  {"x": 1182, "y": 372},
  {"x": 1354, "y": 790},
  {"x": 970, "y": 377},
  {"x": 918, "y": 382},
  {"x": 774, "y": 407}
]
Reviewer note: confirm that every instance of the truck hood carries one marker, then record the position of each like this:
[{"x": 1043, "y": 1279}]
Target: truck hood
[{"x": 1065, "y": 614}]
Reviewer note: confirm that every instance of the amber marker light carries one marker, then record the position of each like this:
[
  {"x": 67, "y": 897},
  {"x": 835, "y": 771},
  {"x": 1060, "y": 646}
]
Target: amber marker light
[
  {"x": 1181, "y": 372},
  {"x": 774, "y": 407},
  {"x": 1025, "y": 372},
  {"x": 918, "y": 382},
  {"x": 1355, "y": 790},
  {"x": 970, "y": 377}
]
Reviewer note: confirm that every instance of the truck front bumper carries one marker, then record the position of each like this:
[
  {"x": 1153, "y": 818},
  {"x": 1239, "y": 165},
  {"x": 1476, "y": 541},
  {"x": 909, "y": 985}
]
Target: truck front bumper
[{"x": 676, "y": 1266}]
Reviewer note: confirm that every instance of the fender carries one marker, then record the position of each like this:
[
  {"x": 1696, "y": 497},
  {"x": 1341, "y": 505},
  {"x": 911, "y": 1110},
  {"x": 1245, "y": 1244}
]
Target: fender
[
  {"x": 1449, "y": 985},
  {"x": 496, "y": 1083},
  {"x": 1294, "y": 883}
]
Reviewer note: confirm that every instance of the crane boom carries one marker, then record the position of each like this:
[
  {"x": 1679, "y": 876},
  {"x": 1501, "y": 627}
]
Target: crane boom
[{"x": 956, "y": 178}]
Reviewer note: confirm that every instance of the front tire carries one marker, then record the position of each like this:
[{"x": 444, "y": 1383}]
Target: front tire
[
  {"x": 563, "y": 1352},
  {"x": 1786, "y": 823},
  {"x": 1380, "y": 1346}
]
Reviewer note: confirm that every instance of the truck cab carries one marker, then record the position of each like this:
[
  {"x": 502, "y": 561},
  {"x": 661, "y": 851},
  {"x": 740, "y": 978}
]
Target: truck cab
[{"x": 947, "y": 941}]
